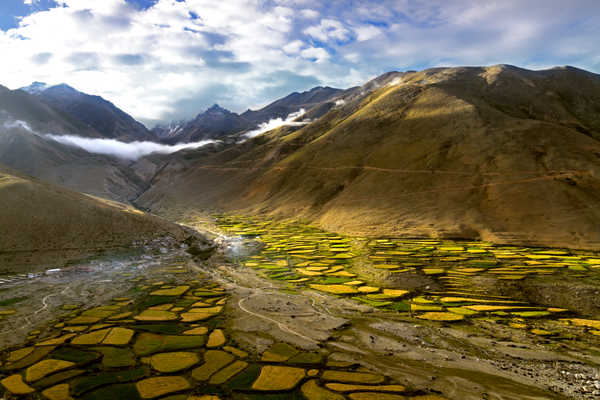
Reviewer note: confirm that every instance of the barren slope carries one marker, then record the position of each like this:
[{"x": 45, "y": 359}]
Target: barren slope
[
  {"x": 501, "y": 153},
  {"x": 42, "y": 223}
]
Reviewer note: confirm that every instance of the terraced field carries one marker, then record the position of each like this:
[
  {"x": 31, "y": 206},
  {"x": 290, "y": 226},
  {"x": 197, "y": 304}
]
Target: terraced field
[
  {"x": 448, "y": 281},
  {"x": 171, "y": 341},
  {"x": 311, "y": 315}
]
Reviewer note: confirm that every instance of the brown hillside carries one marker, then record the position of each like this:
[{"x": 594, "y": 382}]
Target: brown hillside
[
  {"x": 42, "y": 223},
  {"x": 498, "y": 153}
]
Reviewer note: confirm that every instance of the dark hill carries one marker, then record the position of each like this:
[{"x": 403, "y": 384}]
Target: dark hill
[
  {"x": 24, "y": 122},
  {"x": 42, "y": 223},
  {"x": 94, "y": 112}
]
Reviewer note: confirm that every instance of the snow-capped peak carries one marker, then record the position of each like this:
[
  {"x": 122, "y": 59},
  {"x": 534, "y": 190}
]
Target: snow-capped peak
[{"x": 36, "y": 87}]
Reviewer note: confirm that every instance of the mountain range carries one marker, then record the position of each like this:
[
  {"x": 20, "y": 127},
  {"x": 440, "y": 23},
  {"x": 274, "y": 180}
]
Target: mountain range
[
  {"x": 63, "y": 110},
  {"x": 497, "y": 153},
  {"x": 213, "y": 123},
  {"x": 217, "y": 122},
  {"x": 102, "y": 119}
]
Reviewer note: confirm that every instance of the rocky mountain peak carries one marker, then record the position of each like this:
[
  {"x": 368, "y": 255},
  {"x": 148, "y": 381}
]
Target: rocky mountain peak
[
  {"x": 215, "y": 108},
  {"x": 35, "y": 87}
]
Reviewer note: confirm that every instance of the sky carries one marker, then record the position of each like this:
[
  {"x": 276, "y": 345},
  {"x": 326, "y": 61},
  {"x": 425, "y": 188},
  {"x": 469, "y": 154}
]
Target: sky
[{"x": 164, "y": 60}]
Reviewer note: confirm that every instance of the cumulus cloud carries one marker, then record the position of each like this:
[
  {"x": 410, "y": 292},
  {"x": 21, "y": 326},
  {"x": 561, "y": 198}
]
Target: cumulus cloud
[
  {"x": 366, "y": 32},
  {"x": 293, "y": 47},
  {"x": 318, "y": 54},
  {"x": 328, "y": 29},
  {"x": 41, "y": 58},
  {"x": 128, "y": 151},
  {"x": 308, "y": 13},
  {"x": 149, "y": 59},
  {"x": 278, "y": 122}
]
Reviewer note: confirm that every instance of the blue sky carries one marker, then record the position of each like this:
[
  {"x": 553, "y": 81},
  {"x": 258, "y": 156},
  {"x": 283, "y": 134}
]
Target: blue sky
[{"x": 163, "y": 60}]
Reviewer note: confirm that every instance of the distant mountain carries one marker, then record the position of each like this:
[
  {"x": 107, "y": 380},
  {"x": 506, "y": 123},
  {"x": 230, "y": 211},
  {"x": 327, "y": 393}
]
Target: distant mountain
[
  {"x": 217, "y": 122},
  {"x": 19, "y": 105},
  {"x": 213, "y": 123},
  {"x": 166, "y": 131},
  {"x": 93, "y": 111},
  {"x": 498, "y": 153},
  {"x": 291, "y": 103},
  {"x": 36, "y": 87}
]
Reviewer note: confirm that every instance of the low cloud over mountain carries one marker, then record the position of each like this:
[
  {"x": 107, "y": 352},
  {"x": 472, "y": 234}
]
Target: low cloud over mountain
[
  {"x": 111, "y": 147},
  {"x": 129, "y": 151},
  {"x": 277, "y": 122}
]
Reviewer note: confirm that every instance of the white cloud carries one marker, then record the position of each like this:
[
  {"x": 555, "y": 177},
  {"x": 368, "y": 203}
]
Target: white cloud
[
  {"x": 328, "y": 29},
  {"x": 293, "y": 47},
  {"x": 147, "y": 62},
  {"x": 128, "y": 151},
  {"x": 318, "y": 54},
  {"x": 366, "y": 32},
  {"x": 17, "y": 124},
  {"x": 353, "y": 56},
  {"x": 278, "y": 122},
  {"x": 308, "y": 13},
  {"x": 111, "y": 147},
  {"x": 150, "y": 62},
  {"x": 395, "y": 81}
]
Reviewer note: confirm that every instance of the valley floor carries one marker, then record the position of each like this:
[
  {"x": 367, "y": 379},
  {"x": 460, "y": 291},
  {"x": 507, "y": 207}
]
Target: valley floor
[{"x": 303, "y": 313}]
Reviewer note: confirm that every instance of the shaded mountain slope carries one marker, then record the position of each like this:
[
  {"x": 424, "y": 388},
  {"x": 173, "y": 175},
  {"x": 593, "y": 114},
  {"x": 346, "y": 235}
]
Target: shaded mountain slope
[
  {"x": 94, "y": 111},
  {"x": 498, "y": 153},
  {"x": 24, "y": 121},
  {"x": 20, "y": 105},
  {"x": 68, "y": 166},
  {"x": 43, "y": 223}
]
